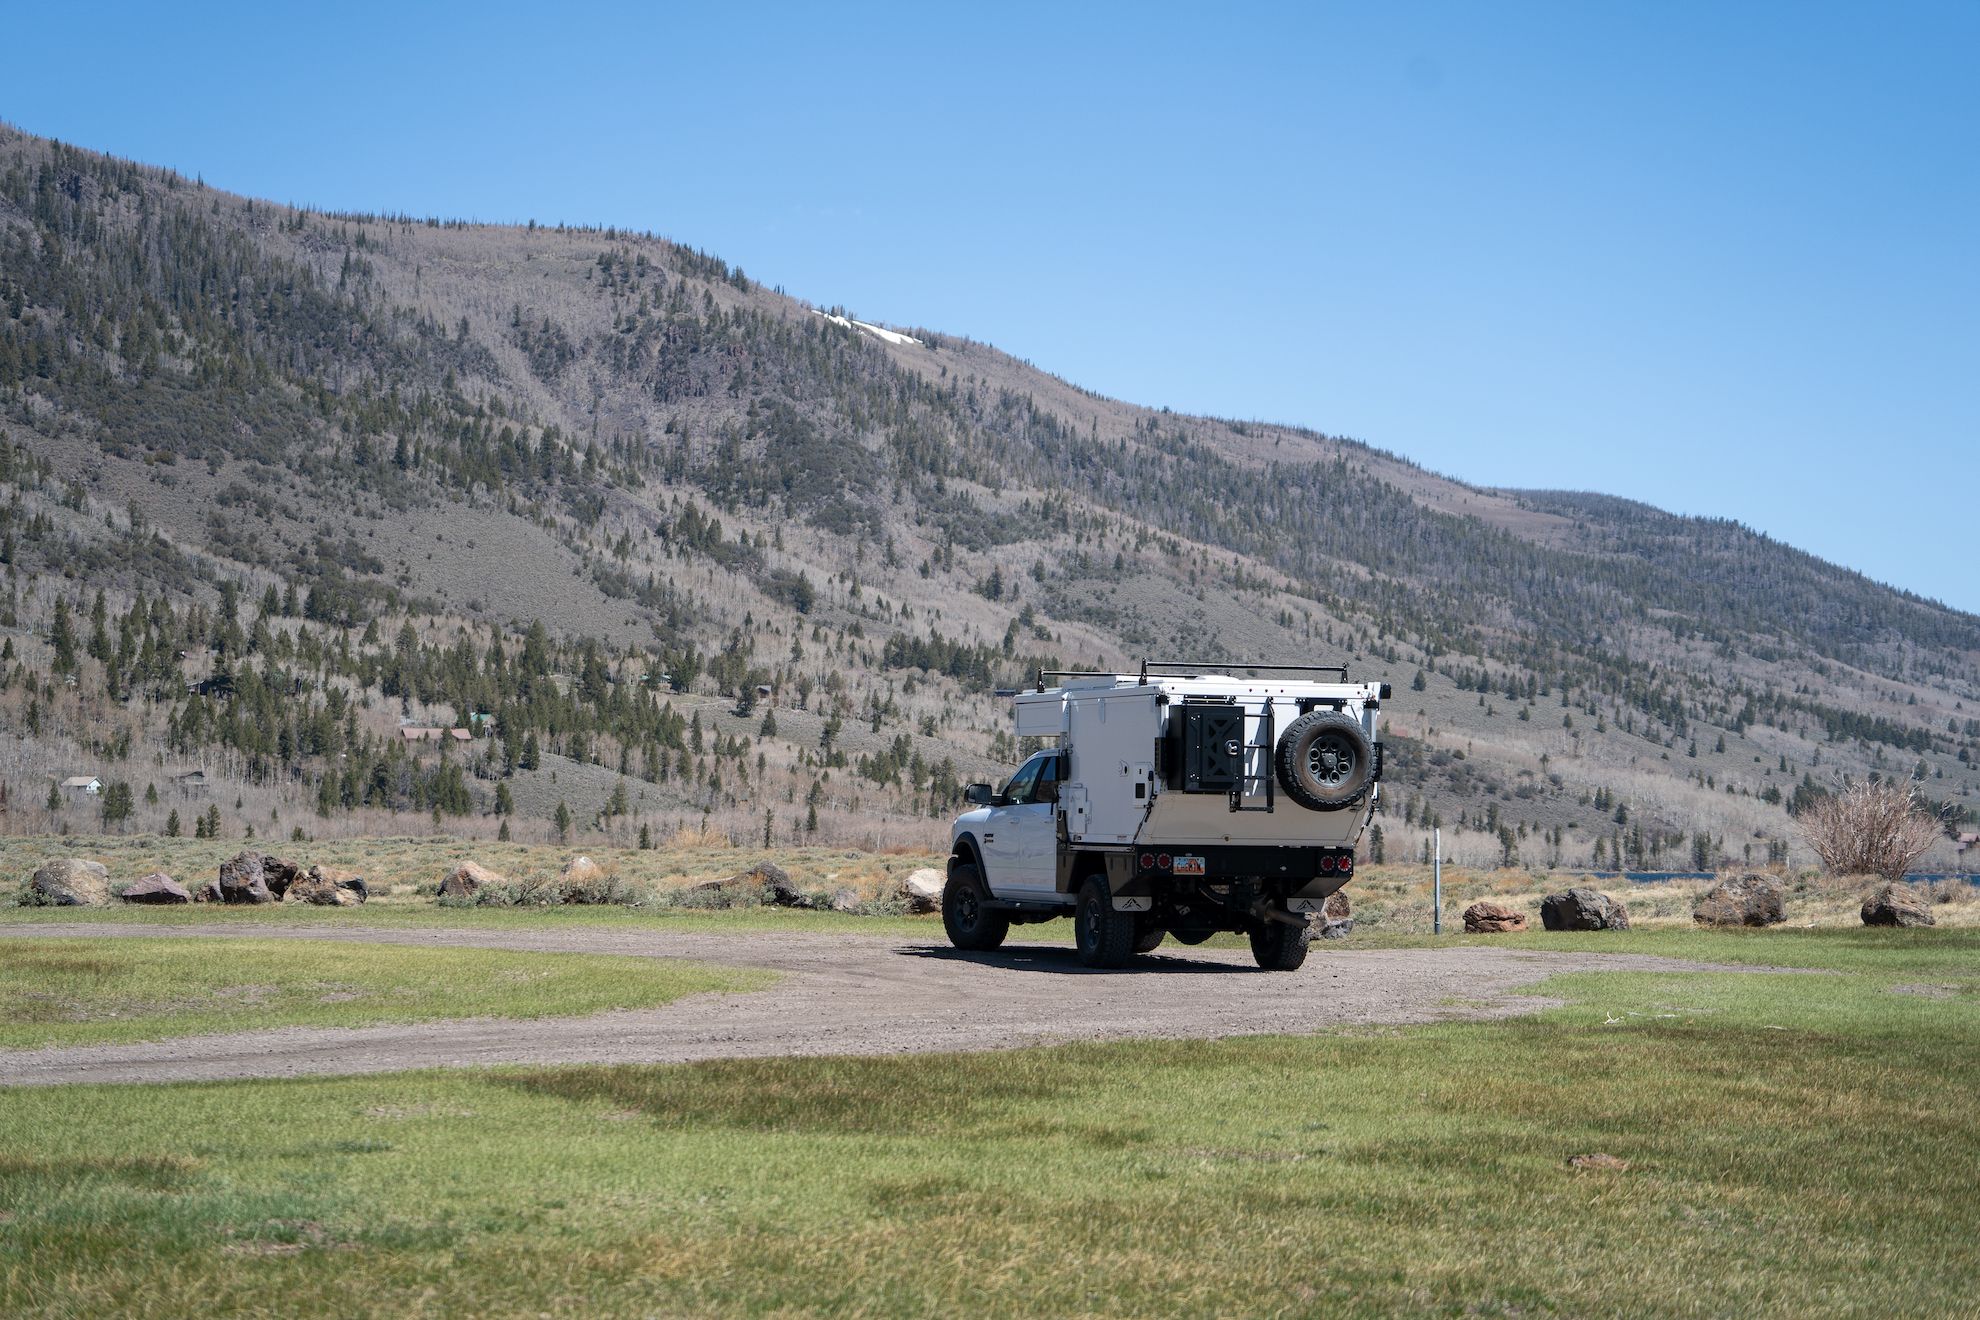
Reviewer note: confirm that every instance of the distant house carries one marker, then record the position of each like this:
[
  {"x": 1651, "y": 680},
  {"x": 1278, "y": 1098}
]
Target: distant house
[
  {"x": 413, "y": 735},
  {"x": 191, "y": 781},
  {"x": 1968, "y": 842},
  {"x": 83, "y": 784}
]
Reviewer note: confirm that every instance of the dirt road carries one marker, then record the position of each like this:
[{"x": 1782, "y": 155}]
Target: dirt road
[{"x": 840, "y": 994}]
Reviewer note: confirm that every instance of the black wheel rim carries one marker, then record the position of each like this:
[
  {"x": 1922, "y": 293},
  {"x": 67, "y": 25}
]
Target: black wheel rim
[
  {"x": 1089, "y": 924},
  {"x": 967, "y": 908},
  {"x": 1330, "y": 761}
]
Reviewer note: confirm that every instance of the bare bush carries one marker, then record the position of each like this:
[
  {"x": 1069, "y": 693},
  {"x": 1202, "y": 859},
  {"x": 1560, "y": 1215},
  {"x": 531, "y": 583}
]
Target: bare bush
[{"x": 1869, "y": 829}]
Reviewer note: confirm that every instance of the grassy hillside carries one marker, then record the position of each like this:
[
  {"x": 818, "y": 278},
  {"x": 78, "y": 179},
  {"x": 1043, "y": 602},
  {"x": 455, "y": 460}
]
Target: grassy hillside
[{"x": 350, "y": 473}]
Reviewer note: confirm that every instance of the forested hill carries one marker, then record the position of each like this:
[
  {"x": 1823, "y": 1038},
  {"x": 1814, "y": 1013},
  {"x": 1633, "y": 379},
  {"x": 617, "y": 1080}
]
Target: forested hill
[{"x": 280, "y": 485}]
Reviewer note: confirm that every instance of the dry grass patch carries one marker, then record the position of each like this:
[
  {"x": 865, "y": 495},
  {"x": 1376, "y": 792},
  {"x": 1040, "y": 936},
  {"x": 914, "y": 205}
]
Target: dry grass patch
[{"x": 1396, "y": 899}]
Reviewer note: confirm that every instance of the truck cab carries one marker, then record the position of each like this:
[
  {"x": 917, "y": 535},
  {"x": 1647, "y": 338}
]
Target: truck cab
[{"x": 1172, "y": 805}]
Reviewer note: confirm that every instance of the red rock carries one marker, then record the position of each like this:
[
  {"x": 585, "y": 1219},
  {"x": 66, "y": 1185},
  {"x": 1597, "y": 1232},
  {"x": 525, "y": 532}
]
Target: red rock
[{"x": 1488, "y": 918}]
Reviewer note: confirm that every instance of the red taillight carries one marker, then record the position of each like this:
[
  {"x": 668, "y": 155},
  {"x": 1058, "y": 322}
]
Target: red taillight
[
  {"x": 1347, "y": 864},
  {"x": 1326, "y": 863},
  {"x": 1162, "y": 861},
  {"x": 1148, "y": 861}
]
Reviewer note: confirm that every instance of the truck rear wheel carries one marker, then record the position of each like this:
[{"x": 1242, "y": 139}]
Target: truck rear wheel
[
  {"x": 1279, "y": 947},
  {"x": 1148, "y": 938},
  {"x": 1325, "y": 761},
  {"x": 1105, "y": 937},
  {"x": 965, "y": 914}
]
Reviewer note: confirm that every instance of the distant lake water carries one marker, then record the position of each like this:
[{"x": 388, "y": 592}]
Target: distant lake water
[{"x": 1662, "y": 877}]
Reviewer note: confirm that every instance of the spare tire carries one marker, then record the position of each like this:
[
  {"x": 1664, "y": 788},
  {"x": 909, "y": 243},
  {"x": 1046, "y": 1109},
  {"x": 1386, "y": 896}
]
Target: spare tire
[{"x": 1325, "y": 761}]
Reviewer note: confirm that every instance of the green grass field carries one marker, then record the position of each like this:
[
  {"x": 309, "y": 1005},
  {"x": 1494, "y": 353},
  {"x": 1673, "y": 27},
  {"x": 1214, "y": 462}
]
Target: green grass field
[
  {"x": 92, "y": 992},
  {"x": 1796, "y": 1145}
]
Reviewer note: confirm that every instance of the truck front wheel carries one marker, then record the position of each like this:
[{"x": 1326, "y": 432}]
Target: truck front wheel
[
  {"x": 1279, "y": 947},
  {"x": 1105, "y": 937},
  {"x": 965, "y": 915}
]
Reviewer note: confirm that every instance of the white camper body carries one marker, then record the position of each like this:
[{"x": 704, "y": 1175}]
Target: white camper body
[{"x": 1111, "y": 729}]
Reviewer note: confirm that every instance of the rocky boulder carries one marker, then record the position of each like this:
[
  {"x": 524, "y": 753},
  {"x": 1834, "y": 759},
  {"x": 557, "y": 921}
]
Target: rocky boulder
[
  {"x": 1335, "y": 922},
  {"x": 467, "y": 880},
  {"x": 156, "y": 888},
  {"x": 314, "y": 886},
  {"x": 1744, "y": 900},
  {"x": 71, "y": 882},
  {"x": 1897, "y": 905},
  {"x": 845, "y": 900},
  {"x": 278, "y": 874},
  {"x": 243, "y": 881},
  {"x": 581, "y": 871},
  {"x": 1583, "y": 909},
  {"x": 922, "y": 890},
  {"x": 1488, "y": 918},
  {"x": 775, "y": 882}
]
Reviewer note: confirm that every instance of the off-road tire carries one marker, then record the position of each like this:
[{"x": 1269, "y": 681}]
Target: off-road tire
[
  {"x": 1325, "y": 761},
  {"x": 1105, "y": 938},
  {"x": 1279, "y": 947},
  {"x": 1148, "y": 938},
  {"x": 971, "y": 925}
]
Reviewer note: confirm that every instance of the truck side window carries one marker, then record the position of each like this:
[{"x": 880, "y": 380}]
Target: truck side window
[
  {"x": 1018, "y": 791},
  {"x": 1048, "y": 780}
]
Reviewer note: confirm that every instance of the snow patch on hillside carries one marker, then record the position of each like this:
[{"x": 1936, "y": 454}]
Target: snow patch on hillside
[{"x": 878, "y": 332}]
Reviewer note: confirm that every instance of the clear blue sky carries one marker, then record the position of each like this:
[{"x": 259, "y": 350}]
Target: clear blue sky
[{"x": 1721, "y": 258}]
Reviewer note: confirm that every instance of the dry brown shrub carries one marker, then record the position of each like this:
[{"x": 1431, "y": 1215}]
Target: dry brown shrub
[
  {"x": 1869, "y": 829},
  {"x": 700, "y": 836}
]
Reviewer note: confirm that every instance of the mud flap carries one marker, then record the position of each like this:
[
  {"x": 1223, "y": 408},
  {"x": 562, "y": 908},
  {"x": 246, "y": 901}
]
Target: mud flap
[
  {"x": 1129, "y": 892},
  {"x": 1314, "y": 895}
]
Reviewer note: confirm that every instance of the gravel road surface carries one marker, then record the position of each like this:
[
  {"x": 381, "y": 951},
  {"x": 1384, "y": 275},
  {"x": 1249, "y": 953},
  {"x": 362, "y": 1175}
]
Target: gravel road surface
[{"x": 840, "y": 994}]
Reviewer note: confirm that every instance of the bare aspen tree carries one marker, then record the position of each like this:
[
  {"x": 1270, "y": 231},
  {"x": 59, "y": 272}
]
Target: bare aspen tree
[{"x": 1869, "y": 829}]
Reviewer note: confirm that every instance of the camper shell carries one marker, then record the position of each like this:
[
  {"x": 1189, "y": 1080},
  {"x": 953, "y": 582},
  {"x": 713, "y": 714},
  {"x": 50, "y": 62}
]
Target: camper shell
[{"x": 1198, "y": 797}]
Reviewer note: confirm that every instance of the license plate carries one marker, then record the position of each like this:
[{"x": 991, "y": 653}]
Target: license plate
[{"x": 1189, "y": 866}]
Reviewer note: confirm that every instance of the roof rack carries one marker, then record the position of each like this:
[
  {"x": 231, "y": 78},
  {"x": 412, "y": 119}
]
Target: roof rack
[
  {"x": 1187, "y": 666},
  {"x": 1200, "y": 667}
]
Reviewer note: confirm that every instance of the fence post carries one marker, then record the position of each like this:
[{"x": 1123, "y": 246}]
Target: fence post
[{"x": 1437, "y": 885}]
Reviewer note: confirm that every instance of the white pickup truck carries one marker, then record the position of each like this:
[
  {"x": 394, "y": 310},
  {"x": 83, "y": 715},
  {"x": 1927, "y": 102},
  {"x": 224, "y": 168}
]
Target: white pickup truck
[{"x": 1181, "y": 801}]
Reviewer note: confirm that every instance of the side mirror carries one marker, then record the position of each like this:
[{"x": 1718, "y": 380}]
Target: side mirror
[{"x": 979, "y": 795}]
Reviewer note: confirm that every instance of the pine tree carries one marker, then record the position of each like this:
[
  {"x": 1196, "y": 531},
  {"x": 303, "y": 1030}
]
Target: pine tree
[
  {"x": 172, "y": 824},
  {"x": 62, "y": 636},
  {"x": 563, "y": 820},
  {"x": 116, "y": 805}
]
